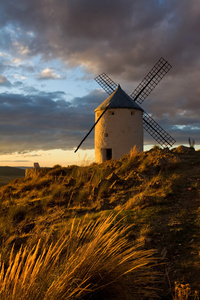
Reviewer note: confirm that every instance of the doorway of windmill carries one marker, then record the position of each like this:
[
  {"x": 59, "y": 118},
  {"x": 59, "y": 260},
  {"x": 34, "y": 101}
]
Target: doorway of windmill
[{"x": 108, "y": 153}]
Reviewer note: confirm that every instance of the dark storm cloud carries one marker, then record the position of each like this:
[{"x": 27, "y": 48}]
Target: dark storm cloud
[
  {"x": 45, "y": 121},
  {"x": 123, "y": 38},
  {"x": 115, "y": 35}
]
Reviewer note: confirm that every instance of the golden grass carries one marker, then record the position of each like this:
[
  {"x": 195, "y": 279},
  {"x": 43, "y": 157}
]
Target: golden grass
[
  {"x": 154, "y": 188},
  {"x": 134, "y": 152},
  {"x": 91, "y": 261},
  {"x": 151, "y": 187},
  {"x": 183, "y": 292}
]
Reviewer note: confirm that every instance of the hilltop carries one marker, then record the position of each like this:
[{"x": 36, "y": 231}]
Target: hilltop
[{"x": 156, "y": 192}]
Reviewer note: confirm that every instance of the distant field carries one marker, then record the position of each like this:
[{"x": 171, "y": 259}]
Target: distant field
[{"x": 8, "y": 174}]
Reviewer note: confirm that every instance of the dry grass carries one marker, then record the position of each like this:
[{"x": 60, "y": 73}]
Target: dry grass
[
  {"x": 134, "y": 152},
  {"x": 158, "y": 191},
  {"x": 151, "y": 190},
  {"x": 183, "y": 292},
  {"x": 91, "y": 261}
]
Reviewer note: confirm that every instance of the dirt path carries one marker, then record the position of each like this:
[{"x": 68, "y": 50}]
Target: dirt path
[{"x": 177, "y": 230}]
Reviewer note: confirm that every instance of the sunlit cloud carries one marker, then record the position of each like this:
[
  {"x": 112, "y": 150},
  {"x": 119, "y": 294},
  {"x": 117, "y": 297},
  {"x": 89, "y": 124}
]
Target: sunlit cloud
[
  {"x": 16, "y": 61},
  {"x": 41, "y": 41},
  {"x": 21, "y": 49},
  {"x": 3, "y": 54},
  {"x": 48, "y": 74}
]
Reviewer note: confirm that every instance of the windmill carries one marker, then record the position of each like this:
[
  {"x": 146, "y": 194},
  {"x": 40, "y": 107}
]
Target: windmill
[{"x": 116, "y": 136}]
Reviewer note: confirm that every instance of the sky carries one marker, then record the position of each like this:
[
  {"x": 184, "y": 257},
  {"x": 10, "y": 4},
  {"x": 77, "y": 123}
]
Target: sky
[{"x": 50, "y": 52}]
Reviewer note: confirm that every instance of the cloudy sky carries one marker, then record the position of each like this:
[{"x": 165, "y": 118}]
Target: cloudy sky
[{"x": 50, "y": 51}]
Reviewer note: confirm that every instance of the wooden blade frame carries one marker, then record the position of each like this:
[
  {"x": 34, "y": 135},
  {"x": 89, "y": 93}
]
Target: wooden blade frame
[
  {"x": 157, "y": 132},
  {"x": 151, "y": 80},
  {"x": 106, "y": 83}
]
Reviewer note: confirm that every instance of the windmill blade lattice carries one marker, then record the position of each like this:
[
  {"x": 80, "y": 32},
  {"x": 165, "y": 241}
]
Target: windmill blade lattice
[
  {"x": 151, "y": 80},
  {"x": 157, "y": 132},
  {"x": 139, "y": 95},
  {"x": 106, "y": 83}
]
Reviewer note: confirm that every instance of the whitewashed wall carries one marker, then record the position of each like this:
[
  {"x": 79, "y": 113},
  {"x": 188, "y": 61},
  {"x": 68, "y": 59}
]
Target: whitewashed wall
[{"x": 120, "y": 132}]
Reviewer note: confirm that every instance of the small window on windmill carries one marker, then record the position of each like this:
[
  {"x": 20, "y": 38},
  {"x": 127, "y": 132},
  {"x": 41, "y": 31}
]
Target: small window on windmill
[
  {"x": 111, "y": 113},
  {"x": 132, "y": 113},
  {"x": 106, "y": 134}
]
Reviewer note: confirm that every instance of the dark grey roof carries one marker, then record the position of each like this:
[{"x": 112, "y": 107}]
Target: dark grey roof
[{"x": 119, "y": 99}]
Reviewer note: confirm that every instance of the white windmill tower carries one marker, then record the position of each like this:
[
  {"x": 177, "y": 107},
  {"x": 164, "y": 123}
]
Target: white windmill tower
[
  {"x": 120, "y": 120},
  {"x": 120, "y": 127}
]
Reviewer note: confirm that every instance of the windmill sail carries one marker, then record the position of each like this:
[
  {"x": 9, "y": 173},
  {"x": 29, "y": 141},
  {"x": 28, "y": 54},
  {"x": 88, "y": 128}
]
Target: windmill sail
[
  {"x": 139, "y": 95},
  {"x": 106, "y": 83},
  {"x": 151, "y": 80},
  {"x": 156, "y": 131}
]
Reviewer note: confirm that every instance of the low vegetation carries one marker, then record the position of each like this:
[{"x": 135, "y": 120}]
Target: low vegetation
[
  {"x": 10, "y": 173},
  {"x": 93, "y": 260},
  {"x": 126, "y": 229}
]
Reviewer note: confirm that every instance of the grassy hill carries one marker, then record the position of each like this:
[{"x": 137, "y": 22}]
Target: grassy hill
[
  {"x": 10, "y": 173},
  {"x": 126, "y": 229}
]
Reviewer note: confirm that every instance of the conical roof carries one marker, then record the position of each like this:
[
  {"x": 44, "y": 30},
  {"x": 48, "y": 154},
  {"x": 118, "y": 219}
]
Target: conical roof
[{"x": 119, "y": 99}]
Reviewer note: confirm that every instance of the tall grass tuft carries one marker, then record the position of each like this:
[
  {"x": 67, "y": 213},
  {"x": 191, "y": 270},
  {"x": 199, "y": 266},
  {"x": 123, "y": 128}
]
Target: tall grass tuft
[
  {"x": 134, "y": 152},
  {"x": 183, "y": 292},
  {"x": 93, "y": 260}
]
